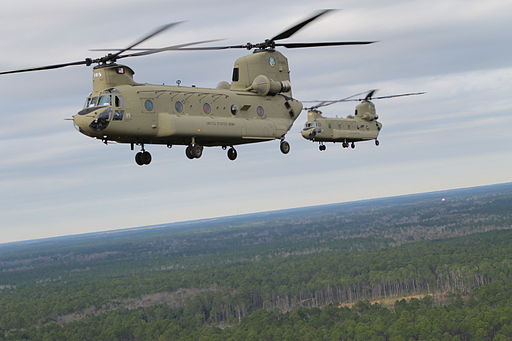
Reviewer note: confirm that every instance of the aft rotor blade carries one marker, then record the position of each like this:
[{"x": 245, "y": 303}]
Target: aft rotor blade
[
  {"x": 49, "y": 67},
  {"x": 292, "y": 30},
  {"x": 163, "y": 49},
  {"x": 409, "y": 94},
  {"x": 330, "y": 43},
  {"x": 140, "y": 41},
  {"x": 383, "y": 97}
]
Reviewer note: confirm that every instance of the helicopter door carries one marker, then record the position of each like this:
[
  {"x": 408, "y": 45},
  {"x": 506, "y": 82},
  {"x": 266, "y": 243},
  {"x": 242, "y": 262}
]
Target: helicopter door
[{"x": 149, "y": 114}]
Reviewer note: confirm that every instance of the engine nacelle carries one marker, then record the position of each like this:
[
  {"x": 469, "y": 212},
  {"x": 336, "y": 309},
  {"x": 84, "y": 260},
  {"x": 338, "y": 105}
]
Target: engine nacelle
[
  {"x": 265, "y": 86},
  {"x": 366, "y": 111}
]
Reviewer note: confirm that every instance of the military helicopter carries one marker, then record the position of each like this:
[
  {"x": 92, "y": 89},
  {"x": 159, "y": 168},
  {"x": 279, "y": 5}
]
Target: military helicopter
[
  {"x": 256, "y": 106},
  {"x": 362, "y": 126}
]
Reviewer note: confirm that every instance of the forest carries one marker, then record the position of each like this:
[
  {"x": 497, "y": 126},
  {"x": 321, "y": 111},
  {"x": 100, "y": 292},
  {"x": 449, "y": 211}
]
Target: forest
[{"x": 433, "y": 266}]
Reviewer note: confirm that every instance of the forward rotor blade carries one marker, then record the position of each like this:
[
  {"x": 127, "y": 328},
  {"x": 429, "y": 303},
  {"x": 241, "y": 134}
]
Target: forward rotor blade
[
  {"x": 163, "y": 49},
  {"x": 185, "y": 49},
  {"x": 49, "y": 67},
  {"x": 331, "y": 43},
  {"x": 140, "y": 41},
  {"x": 89, "y": 61},
  {"x": 294, "y": 29},
  {"x": 329, "y": 102}
]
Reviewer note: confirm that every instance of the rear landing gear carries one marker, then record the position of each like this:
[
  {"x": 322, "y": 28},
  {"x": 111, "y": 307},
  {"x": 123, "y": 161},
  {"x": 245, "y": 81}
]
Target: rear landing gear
[
  {"x": 232, "y": 154},
  {"x": 377, "y": 142},
  {"x": 321, "y": 147},
  {"x": 194, "y": 151},
  {"x": 285, "y": 147},
  {"x": 344, "y": 144},
  {"x": 143, "y": 158},
  {"x": 353, "y": 145}
]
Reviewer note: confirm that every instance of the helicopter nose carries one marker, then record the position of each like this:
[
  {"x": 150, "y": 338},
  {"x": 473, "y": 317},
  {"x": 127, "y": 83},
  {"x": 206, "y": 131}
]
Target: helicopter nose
[
  {"x": 306, "y": 133},
  {"x": 93, "y": 122},
  {"x": 82, "y": 123}
]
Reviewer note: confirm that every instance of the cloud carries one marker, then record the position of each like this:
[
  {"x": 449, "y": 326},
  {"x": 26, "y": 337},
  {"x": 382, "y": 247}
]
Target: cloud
[{"x": 61, "y": 182}]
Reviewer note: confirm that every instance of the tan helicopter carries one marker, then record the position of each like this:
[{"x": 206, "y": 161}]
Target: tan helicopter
[
  {"x": 256, "y": 106},
  {"x": 362, "y": 126}
]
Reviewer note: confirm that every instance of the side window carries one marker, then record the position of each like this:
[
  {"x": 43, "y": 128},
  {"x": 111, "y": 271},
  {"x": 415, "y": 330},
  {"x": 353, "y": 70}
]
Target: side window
[
  {"x": 178, "y": 106},
  {"x": 119, "y": 101},
  {"x": 235, "y": 75},
  {"x": 118, "y": 115},
  {"x": 148, "y": 105}
]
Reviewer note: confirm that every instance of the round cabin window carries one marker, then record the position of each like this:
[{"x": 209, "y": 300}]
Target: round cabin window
[
  {"x": 148, "y": 104},
  {"x": 234, "y": 109},
  {"x": 207, "y": 108},
  {"x": 178, "y": 106},
  {"x": 260, "y": 111}
]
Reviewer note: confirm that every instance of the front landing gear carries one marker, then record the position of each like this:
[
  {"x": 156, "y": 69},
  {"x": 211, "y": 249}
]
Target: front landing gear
[
  {"x": 143, "y": 158},
  {"x": 285, "y": 147},
  {"x": 322, "y": 147},
  {"x": 377, "y": 142}
]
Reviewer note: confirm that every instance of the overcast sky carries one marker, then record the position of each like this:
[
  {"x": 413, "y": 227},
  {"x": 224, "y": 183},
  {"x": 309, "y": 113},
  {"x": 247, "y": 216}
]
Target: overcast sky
[{"x": 56, "y": 181}]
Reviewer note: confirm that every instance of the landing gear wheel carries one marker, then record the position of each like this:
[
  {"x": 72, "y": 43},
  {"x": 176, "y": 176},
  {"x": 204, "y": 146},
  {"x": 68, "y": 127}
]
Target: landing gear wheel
[
  {"x": 232, "y": 154},
  {"x": 285, "y": 147},
  {"x": 345, "y": 144},
  {"x": 197, "y": 151},
  {"x": 188, "y": 152},
  {"x": 322, "y": 147},
  {"x": 143, "y": 158},
  {"x": 146, "y": 158},
  {"x": 139, "y": 159},
  {"x": 353, "y": 145},
  {"x": 377, "y": 142}
]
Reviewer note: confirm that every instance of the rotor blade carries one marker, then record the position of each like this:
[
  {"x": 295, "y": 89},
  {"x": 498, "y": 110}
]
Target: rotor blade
[
  {"x": 49, "y": 67},
  {"x": 185, "y": 49},
  {"x": 383, "y": 97},
  {"x": 331, "y": 43},
  {"x": 329, "y": 102},
  {"x": 140, "y": 41},
  {"x": 409, "y": 94},
  {"x": 292, "y": 30},
  {"x": 215, "y": 48},
  {"x": 163, "y": 49},
  {"x": 370, "y": 94}
]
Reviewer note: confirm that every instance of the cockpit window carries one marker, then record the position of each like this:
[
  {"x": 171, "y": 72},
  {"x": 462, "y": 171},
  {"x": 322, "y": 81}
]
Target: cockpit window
[
  {"x": 312, "y": 124},
  {"x": 91, "y": 102},
  {"x": 105, "y": 100},
  {"x": 119, "y": 101}
]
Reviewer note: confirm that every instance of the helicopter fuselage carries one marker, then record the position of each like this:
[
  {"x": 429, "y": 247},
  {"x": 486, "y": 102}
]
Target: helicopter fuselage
[
  {"x": 159, "y": 114},
  {"x": 127, "y": 112},
  {"x": 345, "y": 130}
]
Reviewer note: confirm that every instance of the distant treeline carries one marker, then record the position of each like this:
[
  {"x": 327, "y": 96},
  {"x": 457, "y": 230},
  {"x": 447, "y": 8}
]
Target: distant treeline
[{"x": 276, "y": 278}]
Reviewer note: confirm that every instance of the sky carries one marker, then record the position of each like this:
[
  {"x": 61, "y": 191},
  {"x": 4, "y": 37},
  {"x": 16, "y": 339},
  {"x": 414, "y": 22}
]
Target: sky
[{"x": 55, "y": 181}]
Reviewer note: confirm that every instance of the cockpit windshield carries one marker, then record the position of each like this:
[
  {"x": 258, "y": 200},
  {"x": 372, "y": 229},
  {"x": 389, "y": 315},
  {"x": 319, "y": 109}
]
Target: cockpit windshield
[
  {"x": 311, "y": 125},
  {"x": 105, "y": 100}
]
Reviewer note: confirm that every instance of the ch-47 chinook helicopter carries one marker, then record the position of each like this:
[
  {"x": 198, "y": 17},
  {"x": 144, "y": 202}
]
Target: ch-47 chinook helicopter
[
  {"x": 256, "y": 106},
  {"x": 362, "y": 126}
]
